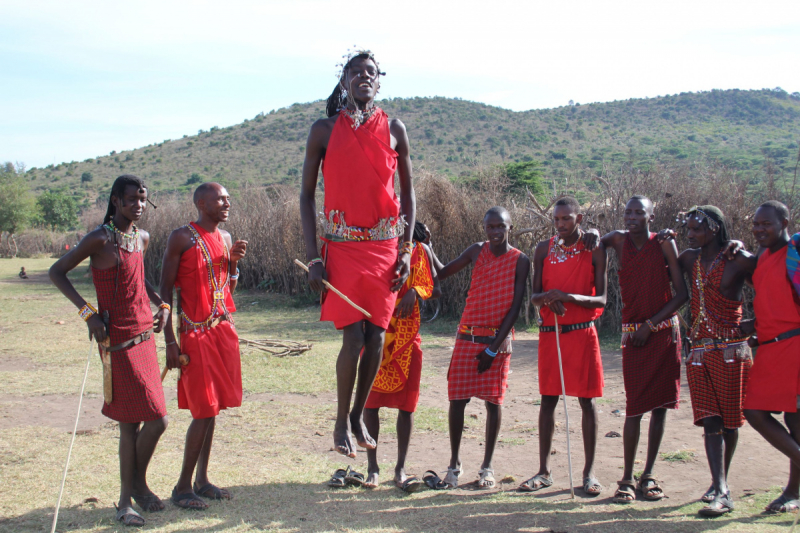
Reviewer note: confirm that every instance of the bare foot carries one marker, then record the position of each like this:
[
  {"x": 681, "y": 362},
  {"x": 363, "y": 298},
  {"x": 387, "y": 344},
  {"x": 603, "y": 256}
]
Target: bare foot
[
  {"x": 361, "y": 434},
  {"x": 371, "y": 481},
  {"x": 399, "y": 476},
  {"x": 343, "y": 442}
]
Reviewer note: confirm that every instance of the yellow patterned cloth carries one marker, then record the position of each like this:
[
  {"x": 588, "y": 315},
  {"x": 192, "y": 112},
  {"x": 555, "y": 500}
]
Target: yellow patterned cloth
[{"x": 401, "y": 348}]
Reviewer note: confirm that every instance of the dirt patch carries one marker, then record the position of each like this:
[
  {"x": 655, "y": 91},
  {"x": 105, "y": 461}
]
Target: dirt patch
[
  {"x": 51, "y": 410},
  {"x": 9, "y": 363}
]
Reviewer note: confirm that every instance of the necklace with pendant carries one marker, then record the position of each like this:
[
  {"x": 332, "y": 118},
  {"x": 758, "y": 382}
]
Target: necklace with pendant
[{"x": 358, "y": 116}]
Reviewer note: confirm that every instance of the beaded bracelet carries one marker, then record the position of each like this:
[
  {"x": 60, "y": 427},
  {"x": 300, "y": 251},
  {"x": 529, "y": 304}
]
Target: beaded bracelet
[
  {"x": 234, "y": 277},
  {"x": 406, "y": 247},
  {"x": 87, "y": 311},
  {"x": 314, "y": 262},
  {"x": 165, "y": 305},
  {"x": 650, "y": 325},
  {"x": 491, "y": 353}
]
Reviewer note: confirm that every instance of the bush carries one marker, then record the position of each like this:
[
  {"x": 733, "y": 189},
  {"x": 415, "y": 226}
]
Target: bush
[
  {"x": 86, "y": 177},
  {"x": 57, "y": 211}
]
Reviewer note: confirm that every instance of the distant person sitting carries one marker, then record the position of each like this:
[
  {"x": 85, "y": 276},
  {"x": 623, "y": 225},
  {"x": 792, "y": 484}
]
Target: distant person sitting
[{"x": 22, "y": 273}]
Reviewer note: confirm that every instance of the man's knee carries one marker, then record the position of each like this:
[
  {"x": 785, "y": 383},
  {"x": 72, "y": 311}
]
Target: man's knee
[
  {"x": 549, "y": 403},
  {"x": 159, "y": 426},
  {"x": 587, "y": 404},
  {"x": 353, "y": 336}
]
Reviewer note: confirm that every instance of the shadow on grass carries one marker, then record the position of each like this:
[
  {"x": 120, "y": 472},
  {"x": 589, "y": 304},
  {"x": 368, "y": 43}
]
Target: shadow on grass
[{"x": 315, "y": 508}]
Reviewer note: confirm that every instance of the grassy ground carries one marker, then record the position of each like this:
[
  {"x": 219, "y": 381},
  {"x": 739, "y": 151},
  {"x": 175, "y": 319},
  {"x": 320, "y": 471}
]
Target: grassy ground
[{"x": 272, "y": 452}]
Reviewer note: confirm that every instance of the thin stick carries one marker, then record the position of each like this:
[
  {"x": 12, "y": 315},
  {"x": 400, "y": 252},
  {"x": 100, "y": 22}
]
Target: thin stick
[
  {"x": 331, "y": 287},
  {"x": 74, "y": 432},
  {"x": 795, "y": 522},
  {"x": 566, "y": 414}
]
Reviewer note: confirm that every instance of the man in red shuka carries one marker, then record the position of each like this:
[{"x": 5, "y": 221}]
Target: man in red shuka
[
  {"x": 123, "y": 322},
  {"x": 201, "y": 260},
  {"x": 568, "y": 281},
  {"x": 651, "y": 362},
  {"x": 359, "y": 149},
  {"x": 774, "y": 384}
]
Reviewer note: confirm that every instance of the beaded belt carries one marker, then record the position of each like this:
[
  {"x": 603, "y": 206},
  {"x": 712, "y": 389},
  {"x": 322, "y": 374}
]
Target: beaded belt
[
  {"x": 188, "y": 325},
  {"x": 483, "y": 335},
  {"x": 138, "y": 339},
  {"x": 566, "y": 328},
  {"x": 336, "y": 229},
  {"x": 732, "y": 349}
]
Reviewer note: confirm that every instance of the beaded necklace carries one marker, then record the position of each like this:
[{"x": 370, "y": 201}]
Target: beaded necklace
[
  {"x": 358, "y": 116},
  {"x": 217, "y": 286},
  {"x": 714, "y": 323},
  {"x": 130, "y": 241},
  {"x": 560, "y": 253}
]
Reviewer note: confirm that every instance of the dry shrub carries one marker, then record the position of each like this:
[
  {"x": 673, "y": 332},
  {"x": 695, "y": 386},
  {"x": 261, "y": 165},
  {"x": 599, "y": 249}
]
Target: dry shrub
[{"x": 38, "y": 242}]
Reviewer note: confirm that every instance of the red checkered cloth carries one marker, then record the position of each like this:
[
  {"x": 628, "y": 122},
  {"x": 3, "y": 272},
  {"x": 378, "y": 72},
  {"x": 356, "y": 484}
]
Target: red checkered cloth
[
  {"x": 652, "y": 373},
  {"x": 135, "y": 376},
  {"x": 489, "y": 300},
  {"x": 775, "y": 378},
  {"x": 580, "y": 349},
  {"x": 717, "y": 388}
]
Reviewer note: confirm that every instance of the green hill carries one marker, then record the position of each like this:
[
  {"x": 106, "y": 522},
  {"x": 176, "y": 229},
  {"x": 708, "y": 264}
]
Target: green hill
[{"x": 738, "y": 128}]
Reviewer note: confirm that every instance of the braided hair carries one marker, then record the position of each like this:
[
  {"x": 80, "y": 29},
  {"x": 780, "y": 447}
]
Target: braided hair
[
  {"x": 118, "y": 191},
  {"x": 419, "y": 232},
  {"x": 336, "y": 101},
  {"x": 704, "y": 213}
]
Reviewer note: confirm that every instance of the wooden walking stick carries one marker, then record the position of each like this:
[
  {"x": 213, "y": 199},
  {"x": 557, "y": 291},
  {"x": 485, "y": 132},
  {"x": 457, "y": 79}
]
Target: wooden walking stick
[
  {"x": 331, "y": 287},
  {"x": 566, "y": 414},
  {"x": 72, "y": 441}
]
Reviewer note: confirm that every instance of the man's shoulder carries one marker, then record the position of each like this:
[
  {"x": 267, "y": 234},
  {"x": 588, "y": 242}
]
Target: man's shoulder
[{"x": 324, "y": 124}]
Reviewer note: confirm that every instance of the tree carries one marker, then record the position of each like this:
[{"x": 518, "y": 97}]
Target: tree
[
  {"x": 526, "y": 174},
  {"x": 58, "y": 211},
  {"x": 86, "y": 177},
  {"x": 16, "y": 204}
]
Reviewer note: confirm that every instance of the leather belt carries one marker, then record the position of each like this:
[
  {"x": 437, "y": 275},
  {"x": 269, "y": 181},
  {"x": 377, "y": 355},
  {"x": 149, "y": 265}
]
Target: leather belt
[
  {"x": 782, "y": 337},
  {"x": 566, "y": 328},
  {"x": 138, "y": 339}
]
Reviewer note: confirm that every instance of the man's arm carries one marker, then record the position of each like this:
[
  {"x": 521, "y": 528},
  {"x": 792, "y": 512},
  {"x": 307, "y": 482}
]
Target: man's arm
[
  {"x": 539, "y": 298},
  {"x": 90, "y": 245},
  {"x": 161, "y": 316},
  {"x": 681, "y": 296},
  {"x": 238, "y": 250},
  {"x": 179, "y": 241},
  {"x": 458, "y": 264},
  {"x": 436, "y": 293},
  {"x": 408, "y": 201},
  {"x": 315, "y": 150},
  {"x": 520, "y": 279}
]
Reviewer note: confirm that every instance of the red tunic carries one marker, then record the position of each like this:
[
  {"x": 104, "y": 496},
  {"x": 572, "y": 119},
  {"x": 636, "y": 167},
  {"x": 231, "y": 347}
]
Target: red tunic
[
  {"x": 213, "y": 378},
  {"x": 775, "y": 377},
  {"x": 397, "y": 383},
  {"x": 652, "y": 373},
  {"x": 580, "y": 349},
  {"x": 135, "y": 378},
  {"x": 491, "y": 293},
  {"x": 358, "y": 170},
  {"x": 717, "y": 387}
]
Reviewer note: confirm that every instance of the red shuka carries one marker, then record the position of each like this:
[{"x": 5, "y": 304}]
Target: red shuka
[
  {"x": 775, "y": 377},
  {"x": 397, "y": 384},
  {"x": 212, "y": 380},
  {"x": 652, "y": 373},
  {"x": 717, "y": 388},
  {"x": 491, "y": 293},
  {"x": 580, "y": 349},
  {"x": 358, "y": 171},
  {"x": 135, "y": 377}
]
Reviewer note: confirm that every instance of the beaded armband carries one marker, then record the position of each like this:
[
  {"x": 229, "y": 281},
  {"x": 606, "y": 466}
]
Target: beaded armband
[
  {"x": 650, "y": 325},
  {"x": 87, "y": 311},
  {"x": 165, "y": 305},
  {"x": 314, "y": 262},
  {"x": 406, "y": 248}
]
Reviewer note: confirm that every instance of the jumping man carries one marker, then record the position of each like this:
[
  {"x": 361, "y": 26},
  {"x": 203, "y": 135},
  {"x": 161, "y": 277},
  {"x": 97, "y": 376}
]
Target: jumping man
[
  {"x": 123, "y": 325},
  {"x": 201, "y": 260},
  {"x": 359, "y": 149}
]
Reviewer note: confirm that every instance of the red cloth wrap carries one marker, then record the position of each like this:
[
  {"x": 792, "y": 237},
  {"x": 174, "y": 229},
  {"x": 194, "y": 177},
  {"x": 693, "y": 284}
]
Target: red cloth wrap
[
  {"x": 491, "y": 293},
  {"x": 135, "y": 376},
  {"x": 358, "y": 172},
  {"x": 717, "y": 388},
  {"x": 397, "y": 384},
  {"x": 652, "y": 373},
  {"x": 212, "y": 380},
  {"x": 580, "y": 349},
  {"x": 775, "y": 377}
]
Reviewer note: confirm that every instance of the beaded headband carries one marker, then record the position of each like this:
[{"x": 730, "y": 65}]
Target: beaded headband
[
  {"x": 699, "y": 215},
  {"x": 355, "y": 52}
]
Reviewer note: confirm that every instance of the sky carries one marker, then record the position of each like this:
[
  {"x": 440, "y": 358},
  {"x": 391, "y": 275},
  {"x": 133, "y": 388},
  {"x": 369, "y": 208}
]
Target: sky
[{"x": 79, "y": 79}]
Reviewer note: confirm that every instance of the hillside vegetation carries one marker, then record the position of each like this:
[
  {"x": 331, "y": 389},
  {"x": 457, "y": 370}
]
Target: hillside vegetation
[{"x": 740, "y": 129}]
